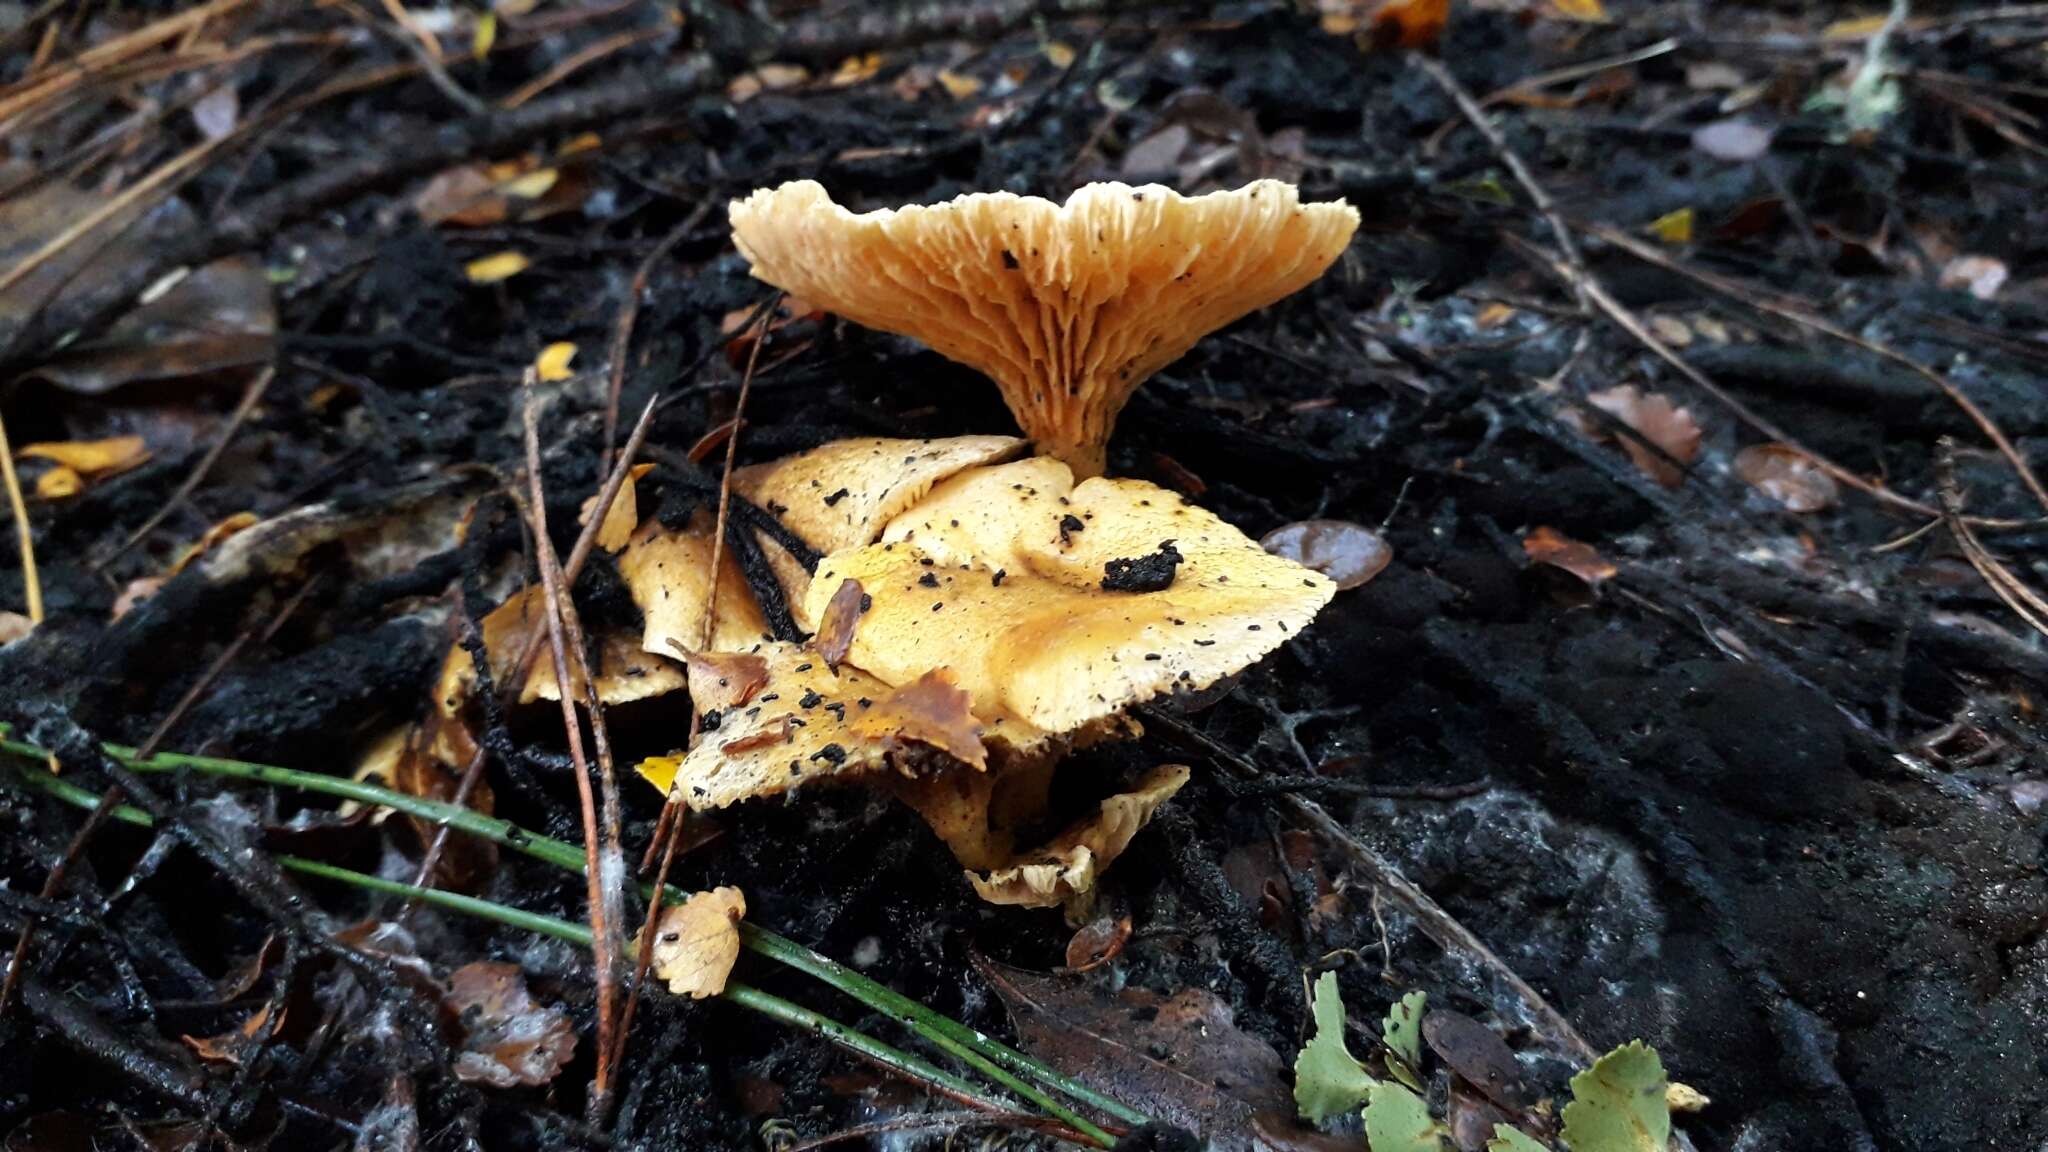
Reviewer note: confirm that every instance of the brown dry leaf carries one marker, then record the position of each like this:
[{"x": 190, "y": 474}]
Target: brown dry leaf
[
  {"x": 1011, "y": 577},
  {"x": 1157, "y": 155},
  {"x": 1180, "y": 1058},
  {"x": 1493, "y": 315},
  {"x": 14, "y": 626},
  {"x": 1657, "y": 420},
  {"x": 721, "y": 681},
  {"x": 697, "y": 943},
  {"x": 932, "y": 711},
  {"x": 1586, "y": 11},
  {"x": 427, "y": 760},
  {"x": 1478, "y": 1054},
  {"x": 215, "y": 317},
  {"x": 484, "y": 195},
  {"x": 855, "y": 69},
  {"x": 624, "y": 514},
  {"x": 1787, "y": 475},
  {"x": 1410, "y": 23},
  {"x": 836, "y": 628},
  {"x": 1065, "y": 870},
  {"x": 1982, "y": 276},
  {"x": 958, "y": 85},
  {"x": 744, "y": 330},
  {"x": 1549, "y": 546},
  {"x": 507, "y": 1039},
  {"x": 1349, "y": 554},
  {"x": 232, "y": 1048},
  {"x": 1097, "y": 942}
]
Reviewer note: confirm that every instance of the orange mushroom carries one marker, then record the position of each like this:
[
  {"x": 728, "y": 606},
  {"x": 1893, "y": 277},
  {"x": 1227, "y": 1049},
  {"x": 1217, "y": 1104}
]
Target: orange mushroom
[{"x": 1068, "y": 307}]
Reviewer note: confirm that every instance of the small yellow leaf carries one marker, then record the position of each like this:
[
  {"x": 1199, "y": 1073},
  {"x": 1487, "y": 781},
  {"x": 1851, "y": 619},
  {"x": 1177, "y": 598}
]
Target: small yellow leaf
[
  {"x": 1587, "y": 11},
  {"x": 579, "y": 144},
  {"x": 957, "y": 85},
  {"x": 1684, "y": 1097},
  {"x": 696, "y": 945},
  {"x": 1493, "y": 315},
  {"x": 660, "y": 771},
  {"x": 496, "y": 268},
  {"x": 486, "y": 35},
  {"x": 855, "y": 69},
  {"x": 91, "y": 457},
  {"x": 1059, "y": 52},
  {"x": 1673, "y": 227},
  {"x": 553, "y": 362},
  {"x": 533, "y": 185},
  {"x": 622, "y": 517},
  {"x": 1855, "y": 28},
  {"x": 58, "y": 483}
]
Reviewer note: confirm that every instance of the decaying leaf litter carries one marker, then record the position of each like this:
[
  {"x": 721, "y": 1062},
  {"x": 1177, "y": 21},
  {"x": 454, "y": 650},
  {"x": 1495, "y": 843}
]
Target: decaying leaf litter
[{"x": 1694, "y": 703}]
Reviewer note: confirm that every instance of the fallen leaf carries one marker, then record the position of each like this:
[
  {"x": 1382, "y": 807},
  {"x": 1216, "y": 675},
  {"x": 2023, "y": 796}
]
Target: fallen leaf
[
  {"x": 1671, "y": 330},
  {"x": 932, "y": 710},
  {"x": 1059, "y": 53},
  {"x": 1156, "y": 155},
  {"x": 1182, "y": 1058},
  {"x": 14, "y": 626},
  {"x": 1548, "y": 546},
  {"x": 142, "y": 588},
  {"x": 697, "y": 943},
  {"x": 553, "y": 363},
  {"x": 1786, "y": 475},
  {"x": 855, "y": 69},
  {"x": 1585, "y": 11},
  {"x": 59, "y": 483},
  {"x": 496, "y": 268},
  {"x": 1674, "y": 227},
  {"x": 486, "y": 35},
  {"x": 1493, "y": 315},
  {"x": 507, "y": 1039},
  {"x": 1734, "y": 140},
  {"x": 427, "y": 760},
  {"x": 841, "y": 618},
  {"x": 232, "y": 1048},
  {"x": 1401, "y": 1031},
  {"x": 215, "y": 113},
  {"x": 192, "y": 323},
  {"x": 1097, "y": 942},
  {"x": 1349, "y": 554},
  {"x": 1684, "y": 1098},
  {"x": 1410, "y": 23},
  {"x": 1655, "y": 418},
  {"x": 1477, "y": 1053},
  {"x": 1506, "y": 1139},
  {"x": 1855, "y": 27},
  {"x": 766, "y": 78},
  {"x": 720, "y": 681},
  {"x": 1983, "y": 276},
  {"x": 958, "y": 85},
  {"x": 91, "y": 457}
]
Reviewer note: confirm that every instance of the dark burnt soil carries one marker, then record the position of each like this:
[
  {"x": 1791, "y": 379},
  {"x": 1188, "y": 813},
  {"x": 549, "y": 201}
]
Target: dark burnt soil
[{"x": 1768, "y": 798}]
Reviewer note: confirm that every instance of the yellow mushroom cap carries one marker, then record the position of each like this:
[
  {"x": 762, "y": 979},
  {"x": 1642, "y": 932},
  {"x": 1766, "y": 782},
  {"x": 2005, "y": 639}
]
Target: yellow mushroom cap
[
  {"x": 1035, "y": 593},
  {"x": 1068, "y": 307}
]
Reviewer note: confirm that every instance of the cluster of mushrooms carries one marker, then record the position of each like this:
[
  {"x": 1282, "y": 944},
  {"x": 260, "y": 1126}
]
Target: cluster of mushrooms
[{"x": 975, "y": 611}]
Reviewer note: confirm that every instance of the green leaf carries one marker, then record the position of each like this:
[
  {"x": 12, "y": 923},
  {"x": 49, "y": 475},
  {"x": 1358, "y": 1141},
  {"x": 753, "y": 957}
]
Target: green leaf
[
  {"x": 1506, "y": 1139},
  {"x": 1328, "y": 1081},
  {"x": 1402, "y": 1032},
  {"x": 1618, "y": 1104},
  {"x": 1398, "y": 1120}
]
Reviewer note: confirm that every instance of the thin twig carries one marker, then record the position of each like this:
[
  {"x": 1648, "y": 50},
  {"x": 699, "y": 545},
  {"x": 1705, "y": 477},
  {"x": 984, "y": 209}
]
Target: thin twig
[
  {"x": 1538, "y": 195},
  {"x": 629, "y": 314},
  {"x": 603, "y": 897},
  {"x": 732, "y": 447},
  {"x": 576, "y": 61},
  {"x": 2027, "y": 604},
  {"x": 251, "y": 396},
  {"x": 1774, "y": 305},
  {"x": 31, "y": 585}
]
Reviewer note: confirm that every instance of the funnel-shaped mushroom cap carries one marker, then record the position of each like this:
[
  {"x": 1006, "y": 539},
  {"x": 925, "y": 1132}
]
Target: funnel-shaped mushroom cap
[{"x": 1067, "y": 307}]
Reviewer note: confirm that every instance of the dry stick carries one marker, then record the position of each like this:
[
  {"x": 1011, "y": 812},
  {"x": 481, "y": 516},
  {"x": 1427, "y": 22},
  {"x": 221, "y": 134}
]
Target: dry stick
[
  {"x": 601, "y": 895},
  {"x": 1435, "y": 923},
  {"x": 251, "y": 396},
  {"x": 668, "y": 829},
  {"x": 2024, "y": 601},
  {"x": 578, "y": 61},
  {"x": 115, "y": 794},
  {"x": 1499, "y": 143},
  {"x": 1782, "y": 308},
  {"x": 1633, "y": 325},
  {"x": 629, "y": 314},
  {"x": 30, "y": 584}
]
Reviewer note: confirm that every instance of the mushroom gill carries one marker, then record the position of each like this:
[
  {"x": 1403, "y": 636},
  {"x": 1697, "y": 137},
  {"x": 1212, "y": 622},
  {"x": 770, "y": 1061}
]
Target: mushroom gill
[{"x": 1068, "y": 307}]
